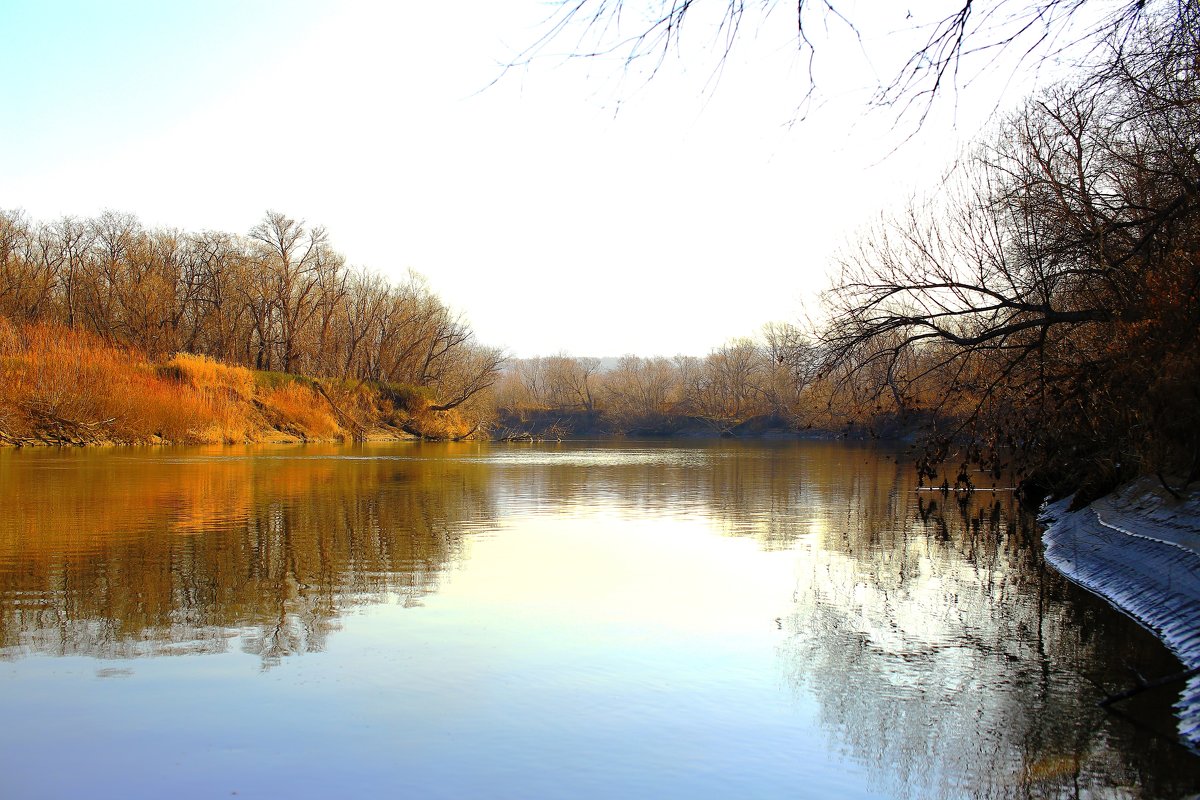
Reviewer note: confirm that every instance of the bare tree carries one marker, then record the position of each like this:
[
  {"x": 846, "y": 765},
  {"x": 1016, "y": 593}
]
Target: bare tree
[
  {"x": 472, "y": 372},
  {"x": 790, "y": 367},
  {"x": 570, "y": 382},
  {"x": 365, "y": 298},
  {"x": 949, "y": 42},
  {"x": 219, "y": 267},
  {"x": 71, "y": 240},
  {"x": 1040, "y": 299},
  {"x": 293, "y": 259},
  {"x": 641, "y": 392},
  {"x": 25, "y": 279}
]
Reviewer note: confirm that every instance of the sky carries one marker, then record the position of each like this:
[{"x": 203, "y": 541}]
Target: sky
[{"x": 567, "y": 205}]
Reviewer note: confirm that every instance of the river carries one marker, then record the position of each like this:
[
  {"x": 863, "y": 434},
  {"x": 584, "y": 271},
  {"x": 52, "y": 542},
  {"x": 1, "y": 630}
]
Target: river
[{"x": 620, "y": 619}]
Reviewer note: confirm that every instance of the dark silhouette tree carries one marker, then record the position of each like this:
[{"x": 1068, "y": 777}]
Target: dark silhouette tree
[{"x": 1048, "y": 297}]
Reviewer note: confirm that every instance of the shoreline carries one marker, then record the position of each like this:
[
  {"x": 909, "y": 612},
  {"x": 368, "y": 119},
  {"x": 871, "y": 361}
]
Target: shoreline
[
  {"x": 394, "y": 434},
  {"x": 1138, "y": 548},
  {"x": 267, "y": 437}
]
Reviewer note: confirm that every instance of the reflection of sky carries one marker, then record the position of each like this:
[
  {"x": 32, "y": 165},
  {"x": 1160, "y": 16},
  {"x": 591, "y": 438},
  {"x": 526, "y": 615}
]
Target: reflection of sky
[
  {"x": 649, "y": 672},
  {"x": 784, "y": 628}
]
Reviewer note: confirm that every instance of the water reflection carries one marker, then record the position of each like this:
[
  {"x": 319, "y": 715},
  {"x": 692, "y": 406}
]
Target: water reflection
[
  {"x": 940, "y": 655},
  {"x": 773, "y": 493},
  {"x": 952, "y": 662},
  {"x": 116, "y": 557}
]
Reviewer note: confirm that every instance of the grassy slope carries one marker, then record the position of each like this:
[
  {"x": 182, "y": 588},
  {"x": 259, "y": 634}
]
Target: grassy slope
[{"x": 66, "y": 387}]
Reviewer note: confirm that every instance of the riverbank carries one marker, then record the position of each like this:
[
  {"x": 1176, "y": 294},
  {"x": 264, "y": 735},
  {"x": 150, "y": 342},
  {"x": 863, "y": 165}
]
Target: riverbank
[
  {"x": 1139, "y": 549},
  {"x": 63, "y": 387},
  {"x": 543, "y": 424}
]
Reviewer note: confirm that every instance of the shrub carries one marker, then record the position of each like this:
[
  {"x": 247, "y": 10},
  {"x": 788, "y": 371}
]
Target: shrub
[{"x": 267, "y": 379}]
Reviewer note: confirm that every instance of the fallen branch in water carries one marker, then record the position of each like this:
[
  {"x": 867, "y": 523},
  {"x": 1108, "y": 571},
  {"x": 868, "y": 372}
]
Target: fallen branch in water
[{"x": 1144, "y": 685}]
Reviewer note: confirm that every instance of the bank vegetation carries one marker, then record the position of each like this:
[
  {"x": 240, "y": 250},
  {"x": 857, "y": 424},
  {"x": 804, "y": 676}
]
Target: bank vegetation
[
  {"x": 110, "y": 331},
  {"x": 1038, "y": 311},
  {"x": 1044, "y": 304}
]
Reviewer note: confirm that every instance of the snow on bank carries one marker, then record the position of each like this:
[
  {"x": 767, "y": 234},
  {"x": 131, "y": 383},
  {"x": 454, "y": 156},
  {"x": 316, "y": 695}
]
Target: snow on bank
[{"x": 1139, "y": 548}]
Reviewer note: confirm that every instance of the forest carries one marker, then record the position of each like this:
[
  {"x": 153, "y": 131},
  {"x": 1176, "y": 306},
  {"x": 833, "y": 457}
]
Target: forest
[{"x": 1037, "y": 309}]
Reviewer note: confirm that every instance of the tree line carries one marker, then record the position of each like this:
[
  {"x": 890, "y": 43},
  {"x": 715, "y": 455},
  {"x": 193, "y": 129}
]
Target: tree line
[
  {"x": 1040, "y": 305},
  {"x": 1037, "y": 309},
  {"x": 747, "y": 377},
  {"x": 279, "y": 298}
]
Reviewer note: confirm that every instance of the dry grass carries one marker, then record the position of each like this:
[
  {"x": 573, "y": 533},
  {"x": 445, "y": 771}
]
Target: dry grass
[
  {"x": 441, "y": 425},
  {"x": 63, "y": 386},
  {"x": 211, "y": 376},
  {"x": 66, "y": 386},
  {"x": 187, "y": 414},
  {"x": 301, "y": 410},
  {"x": 215, "y": 401}
]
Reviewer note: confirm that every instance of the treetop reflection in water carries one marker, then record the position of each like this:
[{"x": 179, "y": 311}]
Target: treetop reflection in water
[
  {"x": 622, "y": 619},
  {"x": 116, "y": 557}
]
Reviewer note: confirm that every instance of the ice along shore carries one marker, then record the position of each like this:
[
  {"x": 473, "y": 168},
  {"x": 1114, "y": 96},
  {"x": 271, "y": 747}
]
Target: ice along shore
[{"x": 1139, "y": 548}]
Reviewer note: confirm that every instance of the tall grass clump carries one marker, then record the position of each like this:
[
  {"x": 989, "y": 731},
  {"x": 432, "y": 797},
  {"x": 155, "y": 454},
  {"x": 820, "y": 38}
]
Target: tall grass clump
[
  {"x": 211, "y": 376},
  {"x": 61, "y": 385},
  {"x": 222, "y": 397},
  {"x": 296, "y": 408}
]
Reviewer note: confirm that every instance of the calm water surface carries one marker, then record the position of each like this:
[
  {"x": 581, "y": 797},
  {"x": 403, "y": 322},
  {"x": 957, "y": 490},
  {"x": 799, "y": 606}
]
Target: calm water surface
[{"x": 615, "y": 620}]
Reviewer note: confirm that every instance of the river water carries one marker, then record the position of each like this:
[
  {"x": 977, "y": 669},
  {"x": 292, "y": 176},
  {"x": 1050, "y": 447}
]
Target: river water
[{"x": 624, "y": 619}]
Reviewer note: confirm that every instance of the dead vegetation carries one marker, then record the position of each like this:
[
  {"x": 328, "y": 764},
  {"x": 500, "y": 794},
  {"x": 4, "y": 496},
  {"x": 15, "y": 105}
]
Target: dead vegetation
[{"x": 60, "y": 386}]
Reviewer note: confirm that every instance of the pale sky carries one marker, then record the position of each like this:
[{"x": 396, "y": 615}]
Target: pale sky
[{"x": 571, "y": 206}]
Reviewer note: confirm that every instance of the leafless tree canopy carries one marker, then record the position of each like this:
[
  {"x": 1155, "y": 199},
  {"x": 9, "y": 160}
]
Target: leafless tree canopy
[
  {"x": 950, "y": 41},
  {"x": 280, "y": 298},
  {"x": 1047, "y": 297},
  {"x": 767, "y": 377}
]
